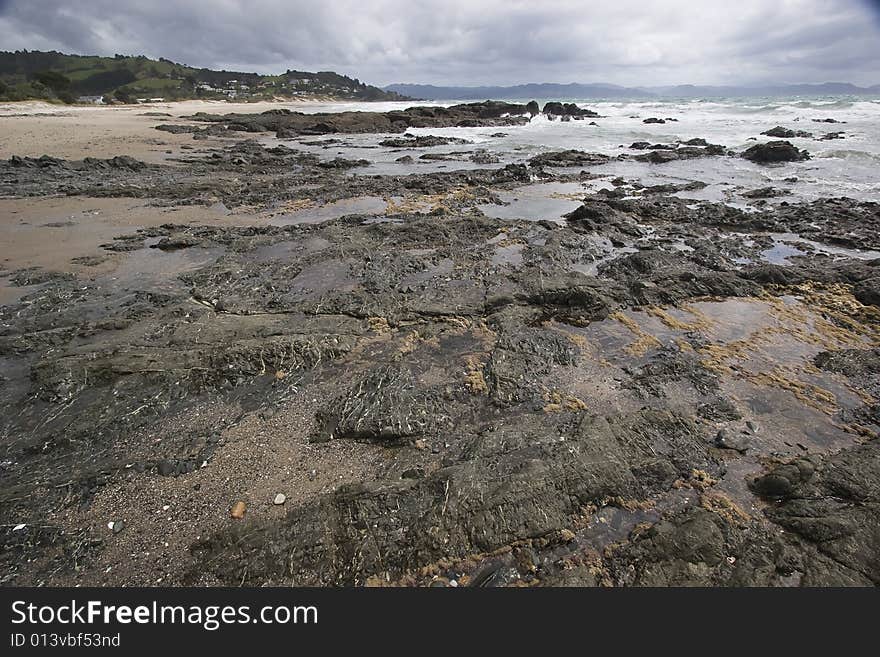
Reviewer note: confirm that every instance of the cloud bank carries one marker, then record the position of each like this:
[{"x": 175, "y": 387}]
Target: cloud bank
[{"x": 465, "y": 42}]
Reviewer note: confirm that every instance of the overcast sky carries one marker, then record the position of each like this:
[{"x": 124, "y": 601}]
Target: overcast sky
[{"x": 628, "y": 42}]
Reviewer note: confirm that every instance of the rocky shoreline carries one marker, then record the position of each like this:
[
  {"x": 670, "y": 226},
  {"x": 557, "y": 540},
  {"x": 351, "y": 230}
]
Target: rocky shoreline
[{"x": 648, "y": 391}]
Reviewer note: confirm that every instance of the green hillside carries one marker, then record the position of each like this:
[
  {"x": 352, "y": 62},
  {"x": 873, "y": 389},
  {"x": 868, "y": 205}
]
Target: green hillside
[{"x": 54, "y": 76}]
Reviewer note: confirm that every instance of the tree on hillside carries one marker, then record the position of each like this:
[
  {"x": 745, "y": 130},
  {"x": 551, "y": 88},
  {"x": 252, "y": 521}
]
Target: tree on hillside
[{"x": 54, "y": 80}]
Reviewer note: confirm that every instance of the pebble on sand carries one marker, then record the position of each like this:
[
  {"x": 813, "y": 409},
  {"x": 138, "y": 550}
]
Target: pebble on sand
[
  {"x": 238, "y": 510},
  {"x": 280, "y": 499}
]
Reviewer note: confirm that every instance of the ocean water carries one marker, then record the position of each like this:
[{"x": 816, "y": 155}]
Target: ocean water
[{"x": 845, "y": 167}]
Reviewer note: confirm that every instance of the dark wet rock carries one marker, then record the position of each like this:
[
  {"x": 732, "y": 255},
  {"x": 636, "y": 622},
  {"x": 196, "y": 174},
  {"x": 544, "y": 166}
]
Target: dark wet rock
[
  {"x": 718, "y": 410},
  {"x": 575, "y": 296},
  {"x": 533, "y": 108},
  {"x": 660, "y": 153},
  {"x": 38, "y": 276},
  {"x": 774, "y": 274},
  {"x": 483, "y": 156},
  {"x": 569, "y": 158},
  {"x": 656, "y": 276},
  {"x": 509, "y": 486},
  {"x": 658, "y": 157},
  {"x": 343, "y": 163},
  {"x": 166, "y": 468},
  {"x": 827, "y": 121},
  {"x": 783, "y": 480},
  {"x": 862, "y": 368},
  {"x": 829, "y": 136},
  {"x": 785, "y": 133},
  {"x": 294, "y": 124},
  {"x": 646, "y": 145},
  {"x": 654, "y": 119},
  {"x": 43, "y": 161},
  {"x": 87, "y": 164},
  {"x": 177, "y": 241},
  {"x": 90, "y": 261},
  {"x": 850, "y": 362},
  {"x": 775, "y": 151},
  {"x": 673, "y": 188},
  {"x": 683, "y": 549},
  {"x": 406, "y": 159},
  {"x": 730, "y": 439},
  {"x": 868, "y": 291},
  {"x": 384, "y": 405},
  {"x": 670, "y": 366},
  {"x": 531, "y": 350},
  {"x": 177, "y": 129},
  {"x": 766, "y": 192},
  {"x": 567, "y": 109},
  {"x": 439, "y": 157},
  {"x": 697, "y": 547},
  {"x": 421, "y": 141},
  {"x": 834, "y": 505}
]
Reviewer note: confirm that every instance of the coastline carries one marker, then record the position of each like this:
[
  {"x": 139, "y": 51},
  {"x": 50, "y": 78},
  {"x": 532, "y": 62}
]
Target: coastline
[
  {"x": 34, "y": 128},
  {"x": 475, "y": 354}
]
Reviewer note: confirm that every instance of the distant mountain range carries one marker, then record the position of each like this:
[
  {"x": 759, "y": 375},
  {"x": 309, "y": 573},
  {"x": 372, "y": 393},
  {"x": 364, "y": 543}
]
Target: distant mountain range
[{"x": 599, "y": 90}]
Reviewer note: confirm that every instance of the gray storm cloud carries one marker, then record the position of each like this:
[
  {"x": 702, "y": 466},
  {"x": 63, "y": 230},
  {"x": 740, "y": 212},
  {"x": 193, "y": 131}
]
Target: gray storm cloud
[{"x": 475, "y": 41}]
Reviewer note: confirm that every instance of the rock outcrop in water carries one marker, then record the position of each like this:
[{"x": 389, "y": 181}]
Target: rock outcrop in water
[
  {"x": 784, "y": 133},
  {"x": 568, "y": 109},
  {"x": 287, "y": 124},
  {"x": 775, "y": 151},
  {"x": 421, "y": 141},
  {"x": 569, "y": 158}
]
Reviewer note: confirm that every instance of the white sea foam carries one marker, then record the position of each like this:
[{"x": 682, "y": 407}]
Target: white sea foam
[{"x": 847, "y": 167}]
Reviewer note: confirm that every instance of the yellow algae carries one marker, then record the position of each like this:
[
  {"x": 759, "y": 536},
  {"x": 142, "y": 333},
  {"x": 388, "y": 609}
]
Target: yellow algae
[
  {"x": 474, "y": 375},
  {"x": 567, "y": 196},
  {"x": 629, "y": 504},
  {"x": 413, "y": 339},
  {"x": 427, "y": 202},
  {"x": 720, "y": 504},
  {"x": 379, "y": 325},
  {"x": 683, "y": 345},
  {"x": 405, "y": 205},
  {"x": 716, "y": 357},
  {"x": 560, "y": 401},
  {"x": 577, "y": 340},
  {"x": 699, "y": 479},
  {"x": 808, "y": 393},
  {"x": 700, "y": 322},
  {"x": 644, "y": 341},
  {"x": 286, "y": 207}
]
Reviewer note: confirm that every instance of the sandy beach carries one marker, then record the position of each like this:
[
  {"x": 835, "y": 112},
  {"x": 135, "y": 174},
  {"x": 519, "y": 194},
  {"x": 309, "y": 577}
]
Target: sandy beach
[{"x": 34, "y": 128}]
